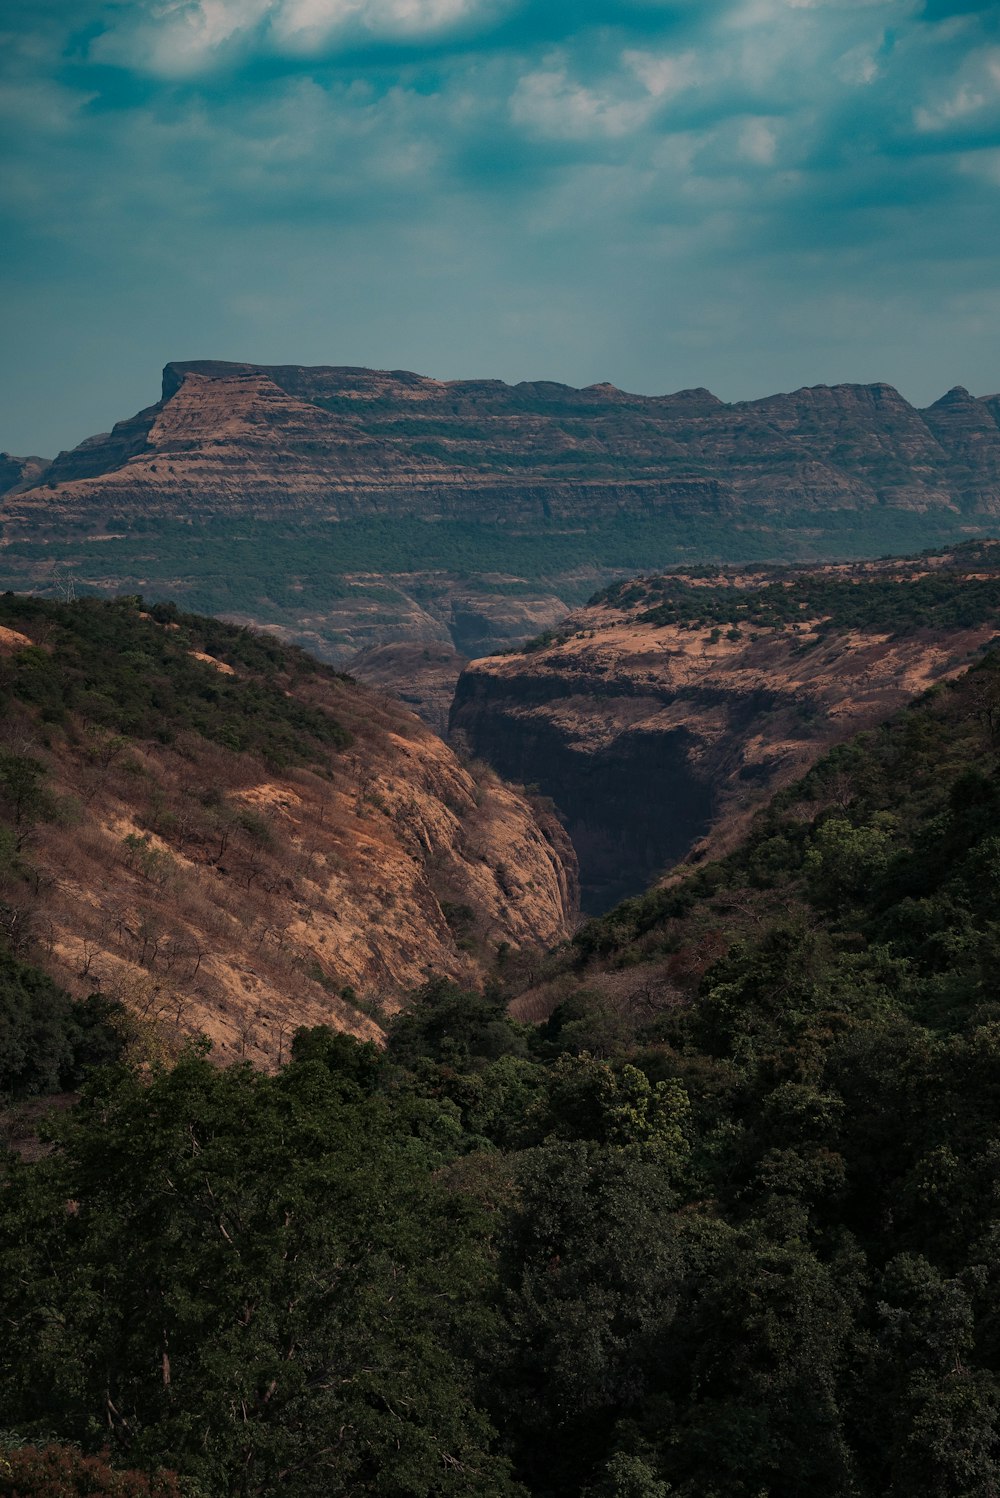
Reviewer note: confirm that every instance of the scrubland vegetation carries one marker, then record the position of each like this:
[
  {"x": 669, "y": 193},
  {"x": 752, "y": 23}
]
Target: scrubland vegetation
[
  {"x": 895, "y": 602},
  {"x": 721, "y": 1223},
  {"x": 262, "y": 569}
]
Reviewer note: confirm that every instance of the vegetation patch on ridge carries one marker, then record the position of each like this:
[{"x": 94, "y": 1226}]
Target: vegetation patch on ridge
[
  {"x": 893, "y": 600},
  {"x": 135, "y": 672}
]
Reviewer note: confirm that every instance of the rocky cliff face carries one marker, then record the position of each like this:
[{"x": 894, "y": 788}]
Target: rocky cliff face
[
  {"x": 223, "y": 895},
  {"x": 665, "y": 714},
  {"x": 20, "y": 473}
]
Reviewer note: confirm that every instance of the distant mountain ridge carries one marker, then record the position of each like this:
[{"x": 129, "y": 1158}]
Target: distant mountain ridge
[
  {"x": 351, "y": 509},
  {"x": 350, "y": 441}
]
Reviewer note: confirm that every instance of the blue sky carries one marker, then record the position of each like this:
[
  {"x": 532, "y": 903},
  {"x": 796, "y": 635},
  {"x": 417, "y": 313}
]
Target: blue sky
[{"x": 746, "y": 194}]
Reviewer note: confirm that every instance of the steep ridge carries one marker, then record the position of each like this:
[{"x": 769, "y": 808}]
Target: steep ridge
[
  {"x": 20, "y": 473},
  {"x": 349, "y": 508},
  {"x": 871, "y": 846},
  {"x": 234, "y": 839},
  {"x": 667, "y": 711}
]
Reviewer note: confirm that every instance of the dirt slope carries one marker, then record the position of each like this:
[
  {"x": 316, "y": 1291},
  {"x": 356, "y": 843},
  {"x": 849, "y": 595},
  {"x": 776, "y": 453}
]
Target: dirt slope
[{"x": 176, "y": 861}]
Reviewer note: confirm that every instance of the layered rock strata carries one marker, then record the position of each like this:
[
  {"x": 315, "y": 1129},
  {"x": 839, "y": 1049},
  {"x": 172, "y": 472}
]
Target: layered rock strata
[{"x": 343, "y": 442}]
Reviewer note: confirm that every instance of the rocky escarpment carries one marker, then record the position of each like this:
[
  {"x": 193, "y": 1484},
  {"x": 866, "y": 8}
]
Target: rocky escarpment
[
  {"x": 344, "y": 442},
  {"x": 350, "y": 508},
  {"x": 236, "y": 840},
  {"x": 666, "y": 713},
  {"x": 20, "y": 473}
]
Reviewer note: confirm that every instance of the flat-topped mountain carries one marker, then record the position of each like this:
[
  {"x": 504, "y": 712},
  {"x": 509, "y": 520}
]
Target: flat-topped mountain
[
  {"x": 349, "y": 442},
  {"x": 352, "y": 508},
  {"x": 663, "y": 715}
]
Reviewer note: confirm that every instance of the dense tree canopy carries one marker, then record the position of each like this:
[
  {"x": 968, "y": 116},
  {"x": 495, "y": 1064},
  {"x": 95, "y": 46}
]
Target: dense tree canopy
[{"x": 739, "y": 1243}]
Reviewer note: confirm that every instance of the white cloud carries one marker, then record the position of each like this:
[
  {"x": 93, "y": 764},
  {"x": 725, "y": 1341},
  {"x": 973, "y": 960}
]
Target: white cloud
[
  {"x": 983, "y": 164},
  {"x": 860, "y": 65},
  {"x": 550, "y": 103},
  {"x": 183, "y": 37},
  {"x": 758, "y": 142},
  {"x": 964, "y": 101},
  {"x": 664, "y": 74},
  {"x": 977, "y": 87},
  {"x": 312, "y": 22},
  {"x": 178, "y": 37}
]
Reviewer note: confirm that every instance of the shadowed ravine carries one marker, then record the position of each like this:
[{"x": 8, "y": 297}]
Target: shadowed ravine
[{"x": 665, "y": 713}]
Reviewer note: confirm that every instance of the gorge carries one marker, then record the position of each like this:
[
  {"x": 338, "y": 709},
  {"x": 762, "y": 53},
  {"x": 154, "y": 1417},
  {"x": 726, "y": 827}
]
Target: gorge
[{"x": 669, "y": 710}]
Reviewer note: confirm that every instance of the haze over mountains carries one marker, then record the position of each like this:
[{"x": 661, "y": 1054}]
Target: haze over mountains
[{"x": 349, "y": 507}]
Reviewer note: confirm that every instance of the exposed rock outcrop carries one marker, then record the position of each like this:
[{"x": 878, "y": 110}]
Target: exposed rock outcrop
[
  {"x": 20, "y": 473},
  {"x": 661, "y": 719},
  {"x": 342, "y": 442}
]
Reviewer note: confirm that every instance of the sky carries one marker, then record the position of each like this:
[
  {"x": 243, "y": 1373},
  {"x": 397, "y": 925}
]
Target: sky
[{"x": 751, "y": 195}]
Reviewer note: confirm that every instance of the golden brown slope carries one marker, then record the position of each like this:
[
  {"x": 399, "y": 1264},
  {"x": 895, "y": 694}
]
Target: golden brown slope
[{"x": 240, "y": 900}]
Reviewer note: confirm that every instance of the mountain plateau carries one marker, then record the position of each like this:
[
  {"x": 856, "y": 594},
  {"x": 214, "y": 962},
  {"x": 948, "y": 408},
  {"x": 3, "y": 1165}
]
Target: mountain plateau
[{"x": 349, "y": 508}]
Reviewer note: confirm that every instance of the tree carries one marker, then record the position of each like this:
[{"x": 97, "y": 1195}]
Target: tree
[{"x": 258, "y": 1280}]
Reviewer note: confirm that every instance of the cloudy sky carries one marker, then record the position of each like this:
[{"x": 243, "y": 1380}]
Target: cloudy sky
[{"x": 746, "y": 194}]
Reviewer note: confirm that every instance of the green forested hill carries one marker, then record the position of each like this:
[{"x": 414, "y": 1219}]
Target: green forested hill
[{"x": 724, "y": 1226}]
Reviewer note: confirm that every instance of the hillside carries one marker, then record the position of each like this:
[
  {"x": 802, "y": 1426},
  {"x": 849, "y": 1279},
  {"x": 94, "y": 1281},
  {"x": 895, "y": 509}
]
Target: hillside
[
  {"x": 725, "y": 1223},
  {"x": 234, "y": 839},
  {"x": 21, "y": 473},
  {"x": 882, "y": 852},
  {"x": 668, "y": 710},
  {"x": 350, "y": 507}
]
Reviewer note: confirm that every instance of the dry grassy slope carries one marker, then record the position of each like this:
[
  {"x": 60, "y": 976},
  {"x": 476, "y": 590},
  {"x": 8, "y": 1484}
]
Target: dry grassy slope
[
  {"x": 347, "y": 882},
  {"x": 682, "y": 732}
]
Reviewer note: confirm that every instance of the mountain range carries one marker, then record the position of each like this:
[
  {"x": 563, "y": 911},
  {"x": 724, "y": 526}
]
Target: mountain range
[
  {"x": 345, "y": 443},
  {"x": 348, "y": 508}
]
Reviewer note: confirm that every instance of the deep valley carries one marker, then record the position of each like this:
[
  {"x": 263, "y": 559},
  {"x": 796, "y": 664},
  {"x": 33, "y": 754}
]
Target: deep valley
[{"x": 663, "y": 715}]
